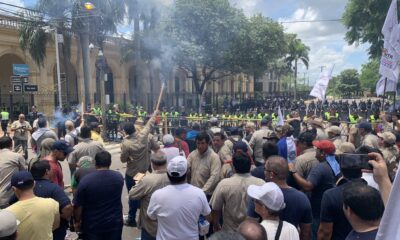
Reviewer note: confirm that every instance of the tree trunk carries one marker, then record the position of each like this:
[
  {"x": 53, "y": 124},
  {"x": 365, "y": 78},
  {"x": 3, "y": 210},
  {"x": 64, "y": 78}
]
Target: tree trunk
[
  {"x": 295, "y": 79},
  {"x": 84, "y": 38}
]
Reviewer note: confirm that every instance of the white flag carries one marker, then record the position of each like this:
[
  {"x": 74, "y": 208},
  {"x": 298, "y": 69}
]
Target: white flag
[
  {"x": 390, "y": 57},
  {"x": 391, "y": 86},
  {"x": 319, "y": 90},
  {"x": 280, "y": 117},
  {"x": 389, "y": 226}
]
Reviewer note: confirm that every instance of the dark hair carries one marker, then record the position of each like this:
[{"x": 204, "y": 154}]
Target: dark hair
[
  {"x": 176, "y": 180},
  {"x": 5, "y": 142},
  {"x": 306, "y": 138},
  {"x": 42, "y": 122},
  {"x": 365, "y": 201},
  {"x": 180, "y": 131},
  {"x": 203, "y": 136},
  {"x": 196, "y": 126},
  {"x": 220, "y": 134},
  {"x": 85, "y": 132},
  {"x": 351, "y": 173},
  {"x": 241, "y": 162},
  {"x": 129, "y": 128},
  {"x": 39, "y": 168},
  {"x": 103, "y": 159},
  {"x": 269, "y": 149},
  {"x": 226, "y": 235}
]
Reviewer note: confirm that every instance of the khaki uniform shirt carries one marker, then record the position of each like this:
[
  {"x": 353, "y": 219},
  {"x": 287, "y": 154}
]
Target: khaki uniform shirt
[
  {"x": 86, "y": 147},
  {"x": 337, "y": 141},
  {"x": 370, "y": 140},
  {"x": 305, "y": 162},
  {"x": 257, "y": 141},
  {"x": 135, "y": 150},
  {"x": 204, "y": 170},
  {"x": 230, "y": 197},
  {"x": 10, "y": 163},
  {"x": 142, "y": 191},
  {"x": 21, "y": 134},
  {"x": 225, "y": 153},
  {"x": 321, "y": 134}
]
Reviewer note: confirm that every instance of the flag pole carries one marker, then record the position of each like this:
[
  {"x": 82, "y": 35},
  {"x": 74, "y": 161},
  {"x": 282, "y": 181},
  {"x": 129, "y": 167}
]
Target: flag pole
[{"x": 383, "y": 96}]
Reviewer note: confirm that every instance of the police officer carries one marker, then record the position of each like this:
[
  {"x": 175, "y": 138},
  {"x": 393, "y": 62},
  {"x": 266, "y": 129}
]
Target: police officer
[{"x": 5, "y": 118}]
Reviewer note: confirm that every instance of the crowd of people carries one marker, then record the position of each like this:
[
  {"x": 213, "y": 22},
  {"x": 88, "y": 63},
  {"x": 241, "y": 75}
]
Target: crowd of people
[{"x": 302, "y": 177}]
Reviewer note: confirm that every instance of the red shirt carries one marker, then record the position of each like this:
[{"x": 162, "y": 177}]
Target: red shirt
[
  {"x": 183, "y": 146},
  {"x": 56, "y": 172}
]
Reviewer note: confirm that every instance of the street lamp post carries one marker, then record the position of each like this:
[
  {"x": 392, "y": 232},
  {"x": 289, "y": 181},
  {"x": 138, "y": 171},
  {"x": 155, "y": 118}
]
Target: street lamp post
[
  {"x": 101, "y": 64},
  {"x": 58, "y": 69}
]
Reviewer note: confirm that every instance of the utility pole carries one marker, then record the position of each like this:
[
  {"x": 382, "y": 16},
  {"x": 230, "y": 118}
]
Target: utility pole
[{"x": 101, "y": 64}]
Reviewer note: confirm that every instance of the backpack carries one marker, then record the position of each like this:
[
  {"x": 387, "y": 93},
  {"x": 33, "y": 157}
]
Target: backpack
[{"x": 74, "y": 137}]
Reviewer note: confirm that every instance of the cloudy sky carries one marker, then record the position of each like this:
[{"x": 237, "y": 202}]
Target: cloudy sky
[{"x": 325, "y": 38}]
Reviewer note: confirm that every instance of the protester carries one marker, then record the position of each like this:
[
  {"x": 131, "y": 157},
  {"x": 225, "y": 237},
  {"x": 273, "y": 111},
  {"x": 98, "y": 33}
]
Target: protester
[
  {"x": 85, "y": 147},
  {"x": 97, "y": 202},
  {"x": 363, "y": 208},
  {"x": 180, "y": 143},
  {"x": 269, "y": 201},
  {"x": 85, "y": 166},
  {"x": 389, "y": 149},
  {"x": 334, "y": 134},
  {"x": 178, "y": 207},
  {"x": 21, "y": 129},
  {"x": 40, "y": 134},
  {"x": 38, "y": 216},
  {"x": 249, "y": 130},
  {"x": 169, "y": 149},
  {"x": 286, "y": 145},
  {"x": 45, "y": 150},
  {"x": 257, "y": 141},
  {"x": 307, "y": 158},
  {"x": 367, "y": 138},
  {"x": 60, "y": 151},
  {"x": 10, "y": 163},
  {"x": 144, "y": 189},
  {"x": 41, "y": 172},
  {"x": 219, "y": 146},
  {"x": 226, "y": 235},
  {"x": 334, "y": 224},
  {"x": 269, "y": 149},
  {"x": 95, "y": 133},
  {"x": 298, "y": 208},
  {"x": 135, "y": 153},
  {"x": 250, "y": 229},
  {"x": 71, "y": 136},
  {"x": 321, "y": 178},
  {"x": 204, "y": 165},
  {"x": 229, "y": 197}
]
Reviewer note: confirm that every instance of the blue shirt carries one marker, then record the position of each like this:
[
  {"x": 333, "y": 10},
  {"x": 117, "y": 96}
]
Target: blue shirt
[
  {"x": 99, "y": 195},
  {"x": 282, "y": 148}
]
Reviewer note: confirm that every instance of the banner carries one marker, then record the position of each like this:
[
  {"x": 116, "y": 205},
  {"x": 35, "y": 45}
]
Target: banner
[
  {"x": 390, "y": 57},
  {"x": 319, "y": 90},
  {"x": 391, "y": 86},
  {"x": 280, "y": 117}
]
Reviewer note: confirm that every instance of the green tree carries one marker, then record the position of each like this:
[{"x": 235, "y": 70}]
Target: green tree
[
  {"x": 332, "y": 89},
  {"x": 298, "y": 51},
  {"x": 369, "y": 75},
  {"x": 203, "y": 33},
  {"x": 364, "y": 20},
  {"x": 349, "y": 81},
  {"x": 70, "y": 16}
]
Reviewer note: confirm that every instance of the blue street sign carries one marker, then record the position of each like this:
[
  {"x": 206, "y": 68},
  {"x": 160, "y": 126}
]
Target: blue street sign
[{"x": 21, "y": 69}]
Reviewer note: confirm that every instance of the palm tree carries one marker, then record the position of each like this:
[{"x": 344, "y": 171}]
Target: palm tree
[
  {"x": 70, "y": 16},
  {"x": 298, "y": 51}
]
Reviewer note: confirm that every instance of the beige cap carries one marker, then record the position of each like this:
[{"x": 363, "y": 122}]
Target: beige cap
[
  {"x": 346, "y": 147},
  {"x": 388, "y": 137},
  {"x": 334, "y": 129}
]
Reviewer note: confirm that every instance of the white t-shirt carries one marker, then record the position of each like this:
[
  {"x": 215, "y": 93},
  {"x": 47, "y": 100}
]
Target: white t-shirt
[
  {"x": 289, "y": 232},
  {"x": 177, "y": 209}
]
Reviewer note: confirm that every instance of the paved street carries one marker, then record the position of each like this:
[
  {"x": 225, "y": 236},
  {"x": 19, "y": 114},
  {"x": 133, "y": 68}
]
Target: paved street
[{"x": 128, "y": 232}]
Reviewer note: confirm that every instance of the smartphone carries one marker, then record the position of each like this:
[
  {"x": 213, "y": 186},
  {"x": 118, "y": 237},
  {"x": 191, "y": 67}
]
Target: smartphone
[{"x": 355, "y": 161}]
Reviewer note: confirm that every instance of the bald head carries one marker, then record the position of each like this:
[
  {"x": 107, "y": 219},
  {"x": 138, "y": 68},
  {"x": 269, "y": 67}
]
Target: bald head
[
  {"x": 250, "y": 229},
  {"x": 21, "y": 117},
  {"x": 279, "y": 166}
]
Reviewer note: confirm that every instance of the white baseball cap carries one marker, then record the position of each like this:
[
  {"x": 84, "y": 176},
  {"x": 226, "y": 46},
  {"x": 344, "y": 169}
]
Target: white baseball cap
[
  {"x": 8, "y": 223},
  {"x": 168, "y": 139},
  {"x": 269, "y": 194},
  {"x": 177, "y": 165}
]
